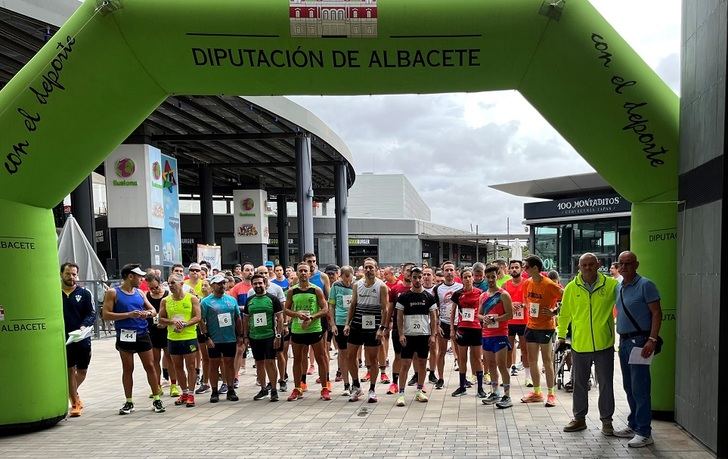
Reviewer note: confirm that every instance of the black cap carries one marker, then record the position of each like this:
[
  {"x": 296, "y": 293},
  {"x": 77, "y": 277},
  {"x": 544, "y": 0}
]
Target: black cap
[{"x": 331, "y": 269}]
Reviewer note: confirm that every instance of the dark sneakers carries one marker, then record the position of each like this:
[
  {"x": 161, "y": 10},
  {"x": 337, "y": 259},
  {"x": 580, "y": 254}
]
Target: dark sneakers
[
  {"x": 575, "y": 425},
  {"x": 215, "y": 397},
  {"x": 159, "y": 406},
  {"x": 128, "y": 408},
  {"x": 261, "y": 395},
  {"x": 231, "y": 395},
  {"x": 273, "y": 395},
  {"x": 439, "y": 384},
  {"x": 459, "y": 392}
]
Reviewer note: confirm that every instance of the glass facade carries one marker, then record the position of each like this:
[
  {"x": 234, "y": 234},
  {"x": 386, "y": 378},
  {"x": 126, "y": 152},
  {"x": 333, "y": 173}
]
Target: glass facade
[{"x": 561, "y": 244}]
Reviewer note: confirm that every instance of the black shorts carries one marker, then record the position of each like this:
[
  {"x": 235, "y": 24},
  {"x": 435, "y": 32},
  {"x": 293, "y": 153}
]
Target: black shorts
[
  {"x": 222, "y": 350},
  {"x": 368, "y": 338},
  {"x": 516, "y": 329},
  {"x": 263, "y": 349},
  {"x": 158, "y": 337},
  {"x": 419, "y": 345},
  {"x": 142, "y": 344},
  {"x": 79, "y": 354},
  {"x": 539, "y": 336},
  {"x": 307, "y": 338},
  {"x": 469, "y": 336},
  {"x": 183, "y": 347},
  {"x": 396, "y": 345},
  {"x": 341, "y": 339},
  {"x": 445, "y": 330}
]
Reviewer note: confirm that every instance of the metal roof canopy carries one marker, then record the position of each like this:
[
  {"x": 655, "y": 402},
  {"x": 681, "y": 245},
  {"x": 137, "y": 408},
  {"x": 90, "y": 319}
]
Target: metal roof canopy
[
  {"x": 568, "y": 186},
  {"x": 249, "y": 142}
]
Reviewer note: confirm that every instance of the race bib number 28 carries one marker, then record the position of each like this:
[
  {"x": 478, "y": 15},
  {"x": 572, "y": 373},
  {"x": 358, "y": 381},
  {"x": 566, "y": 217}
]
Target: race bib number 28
[{"x": 367, "y": 322}]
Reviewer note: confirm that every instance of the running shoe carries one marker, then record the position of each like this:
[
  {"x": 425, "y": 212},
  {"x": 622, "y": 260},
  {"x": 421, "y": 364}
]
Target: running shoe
[
  {"x": 310, "y": 371},
  {"x": 639, "y": 441},
  {"x": 383, "y": 378},
  {"x": 468, "y": 384},
  {"x": 400, "y": 400},
  {"x": 236, "y": 383},
  {"x": 550, "y": 400},
  {"x": 159, "y": 406},
  {"x": 190, "y": 401},
  {"x": 174, "y": 390},
  {"x": 393, "y": 389},
  {"x": 366, "y": 377},
  {"x": 181, "y": 400},
  {"x": 569, "y": 386},
  {"x": 491, "y": 399},
  {"x": 273, "y": 395},
  {"x": 456, "y": 367},
  {"x": 346, "y": 393},
  {"x": 268, "y": 386},
  {"x": 514, "y": 372},
  {"x": 481, "y": 393},
  {"x": 421, "y": 397},
  {"x": 202, "y": 389},
  {"x": 432, "y": 378},
  {"x": 338, "y": 377},
  {"x": 232, "y": 396},
  {"x": 296, "y": 394},
  {"x": 223, "y": 388},
  {"x": 304, "y": 387},
  {"x": 440, "y": 382},
  {"x": 215, "y": 397},
  {"x": 282, "y": 386},
  {"x": 504, "y": 402},
  {"x": 529, "y": 383},
  {"x": 356, "y": 394},
  {"x": 519, "y": 366},
  {"x": 413, "y": 380},
  {"x": 128, "y": 408},
  {"x": 625, "y": 433},
  {"x": 261, "y": 395},
  {"x": 459, "y": 392},
  {"x": 372, "y": 397},
  {"x": 325, "y": 394},
  {"x": 75, "y": 410},
  {"x": 532, "y": 397}
]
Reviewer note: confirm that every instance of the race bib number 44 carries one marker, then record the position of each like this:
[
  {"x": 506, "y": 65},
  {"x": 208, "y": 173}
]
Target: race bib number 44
[{"x": 128, "y": 336}]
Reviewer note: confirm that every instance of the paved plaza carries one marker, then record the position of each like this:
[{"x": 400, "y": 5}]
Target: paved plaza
[{"x": 444, "y": 427}]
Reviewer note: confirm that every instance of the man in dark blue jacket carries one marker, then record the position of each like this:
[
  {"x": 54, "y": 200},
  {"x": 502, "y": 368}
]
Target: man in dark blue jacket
[{"x": 78, "y": 313}]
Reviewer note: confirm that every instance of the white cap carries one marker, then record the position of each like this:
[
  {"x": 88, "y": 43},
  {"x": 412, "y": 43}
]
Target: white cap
[
  {"x": 216, "y": 279},
  {"x": 138, "y": 271}
]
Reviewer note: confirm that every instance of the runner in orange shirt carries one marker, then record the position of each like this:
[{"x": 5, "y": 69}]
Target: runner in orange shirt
[{"x": 540, "y": 295}]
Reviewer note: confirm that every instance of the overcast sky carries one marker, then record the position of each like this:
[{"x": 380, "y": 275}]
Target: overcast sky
[{"x": 384, "y": 133}]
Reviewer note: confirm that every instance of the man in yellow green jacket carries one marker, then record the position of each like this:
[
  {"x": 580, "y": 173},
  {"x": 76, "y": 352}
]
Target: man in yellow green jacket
[{"x": 587, "y": 307}]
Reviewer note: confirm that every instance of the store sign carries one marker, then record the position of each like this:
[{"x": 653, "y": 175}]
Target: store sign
[
  {"x": 250, "y": 220},
  {"x": 134, "y": 187},
  {"x": 363, "y": 241},
  {"x": 171, "y": 233},
  {"x": 576, "y": 206}
]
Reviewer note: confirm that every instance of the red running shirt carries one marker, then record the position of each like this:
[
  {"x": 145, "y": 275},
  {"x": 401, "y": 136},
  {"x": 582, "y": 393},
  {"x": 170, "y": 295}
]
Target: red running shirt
[
  {"x": 467, "y": 307},
  {"x": 501, "y": 328},
  {"x": 520, "y": 312}
]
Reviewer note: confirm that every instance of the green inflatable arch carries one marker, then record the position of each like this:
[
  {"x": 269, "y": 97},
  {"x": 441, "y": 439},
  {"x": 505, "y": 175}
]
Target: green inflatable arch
[{"x": 115, "y": 61}]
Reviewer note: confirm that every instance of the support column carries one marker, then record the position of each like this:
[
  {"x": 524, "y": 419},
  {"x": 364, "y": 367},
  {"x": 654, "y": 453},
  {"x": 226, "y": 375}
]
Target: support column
[
  {"x": 304, "y": 195},
  {"x": 282, "y": 224},
  {"x": 342, "y": 219},
  {"x": 82, "y": 208},
  {"x": 207, "y": 217}
]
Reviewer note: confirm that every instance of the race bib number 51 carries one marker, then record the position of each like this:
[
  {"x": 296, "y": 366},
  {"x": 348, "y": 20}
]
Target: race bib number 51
[{"x": 260, "y": 319}]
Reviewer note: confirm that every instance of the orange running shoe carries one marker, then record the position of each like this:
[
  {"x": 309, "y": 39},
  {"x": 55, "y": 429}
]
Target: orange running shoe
[
  {"x": 550, "y": 400},
  {"x": 296, "y": 394},
  {"x": 325, "y": 394},
  {"x": 532, "y": 397}
]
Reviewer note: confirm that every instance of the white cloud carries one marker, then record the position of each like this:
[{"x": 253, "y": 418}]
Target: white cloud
[{"x": 452, "y": 146}]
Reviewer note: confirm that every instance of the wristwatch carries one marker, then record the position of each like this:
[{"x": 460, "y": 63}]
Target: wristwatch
[
  {"x": 654, "y": 340},
  {"x": 278, "y": 336}
]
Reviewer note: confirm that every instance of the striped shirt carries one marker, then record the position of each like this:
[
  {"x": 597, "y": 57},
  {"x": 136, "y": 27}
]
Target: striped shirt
[{"x": 368, "y": 304}]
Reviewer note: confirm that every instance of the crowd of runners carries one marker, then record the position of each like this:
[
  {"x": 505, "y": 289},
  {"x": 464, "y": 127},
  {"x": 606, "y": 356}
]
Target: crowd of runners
[{"x": 194, "y": 330}]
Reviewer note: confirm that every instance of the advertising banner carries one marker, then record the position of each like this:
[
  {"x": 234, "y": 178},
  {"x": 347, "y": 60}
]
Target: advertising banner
[
  {"x": 210, "y": 253},
  {"x": 250, "y": 220},
  {"x": 171, "y": 233},
  {"x": 134, "y": 187}
]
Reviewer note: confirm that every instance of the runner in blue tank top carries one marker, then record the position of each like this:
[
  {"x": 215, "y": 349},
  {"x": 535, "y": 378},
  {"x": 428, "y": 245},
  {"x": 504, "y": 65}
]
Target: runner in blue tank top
[{"x": 130, "y": 309}]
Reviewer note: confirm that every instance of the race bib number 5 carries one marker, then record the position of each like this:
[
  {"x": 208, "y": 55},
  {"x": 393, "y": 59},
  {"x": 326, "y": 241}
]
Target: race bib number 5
[{"x": 128, "y": 336}]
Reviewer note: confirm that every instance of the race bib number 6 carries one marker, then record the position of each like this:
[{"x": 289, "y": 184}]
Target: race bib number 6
[{"x": 224, "y": 320}]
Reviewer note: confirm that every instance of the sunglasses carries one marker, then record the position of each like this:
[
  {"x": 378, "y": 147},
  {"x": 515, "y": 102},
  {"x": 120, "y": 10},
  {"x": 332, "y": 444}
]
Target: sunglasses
[{"x": 194, "y": 270}]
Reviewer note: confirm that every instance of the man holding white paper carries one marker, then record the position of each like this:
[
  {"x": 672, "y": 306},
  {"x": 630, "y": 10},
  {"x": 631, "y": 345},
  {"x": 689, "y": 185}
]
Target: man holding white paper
[
  {"x": 639, "y": 317},
  {"x": 78, "y": 314}
]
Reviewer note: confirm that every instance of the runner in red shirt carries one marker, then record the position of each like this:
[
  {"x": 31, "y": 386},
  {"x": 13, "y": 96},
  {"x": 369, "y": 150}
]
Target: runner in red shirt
[
  {"x": 468, "y": 332},
  {"x": 517, "y": 325}
]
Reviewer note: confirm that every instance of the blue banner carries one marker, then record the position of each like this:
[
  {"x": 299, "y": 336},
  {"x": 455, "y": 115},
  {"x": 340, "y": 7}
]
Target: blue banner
[{"x": 171, "y": 233}]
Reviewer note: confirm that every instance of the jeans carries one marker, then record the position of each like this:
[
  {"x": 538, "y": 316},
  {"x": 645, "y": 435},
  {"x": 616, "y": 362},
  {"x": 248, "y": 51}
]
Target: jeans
[{"x": 636, "y": 382}]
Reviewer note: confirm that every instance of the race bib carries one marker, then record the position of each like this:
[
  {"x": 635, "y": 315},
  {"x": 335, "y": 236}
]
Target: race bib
[
  {"x": 128, "y": 336},
  {"x": 518, "y": 311},
  {"x": 468, "y": 314},
  {"x": 260, "y": 319},
  {"x": 368, "y": 322},
  {"x": 492, "y": 323},
  {"x": 299, "y": 321},
  {"x": 224, "y": 320},
  {"x": 346, "y": 299},
  {"x": 415, "y": 325},
  {"x": 533, "y": 309}
]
